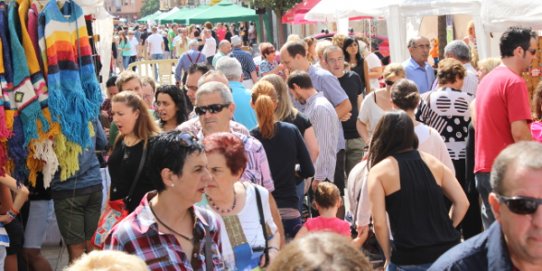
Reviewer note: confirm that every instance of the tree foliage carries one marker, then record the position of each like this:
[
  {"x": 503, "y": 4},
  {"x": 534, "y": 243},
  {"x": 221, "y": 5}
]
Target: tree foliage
[
  {"x": 278, "y": 6},
  {"x": 149, "y": 7}
]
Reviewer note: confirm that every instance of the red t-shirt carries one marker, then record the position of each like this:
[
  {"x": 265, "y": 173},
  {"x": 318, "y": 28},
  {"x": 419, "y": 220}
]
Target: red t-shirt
[
  {"x": 332, "y": 224},
  {"x": 501, "y": 98}
]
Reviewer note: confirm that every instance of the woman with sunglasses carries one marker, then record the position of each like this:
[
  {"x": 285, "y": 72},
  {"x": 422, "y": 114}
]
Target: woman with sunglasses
[
  {"x": 406, "y": 190},
  {"x": 136, "y": 127},
  {"x": 167, "y": 230},
  {"x": 171, "y": 107},
  {"x": 378, "y": 102},
  {"x": 244, "y": 207},
  {"x": 288, "y": 157},
  {"x": 268, "y": 64}
]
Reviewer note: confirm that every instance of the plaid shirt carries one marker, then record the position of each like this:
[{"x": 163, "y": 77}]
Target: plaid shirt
[{"x": 138, "y": 234}]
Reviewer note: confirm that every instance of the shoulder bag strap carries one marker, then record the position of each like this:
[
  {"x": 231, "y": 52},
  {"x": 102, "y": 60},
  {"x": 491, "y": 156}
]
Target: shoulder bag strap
[
  {"x": 128, "y": 197},
  {"x": 355, "y": 215},
  {"x": 209, "y": 265},
  {"x": 262, "y": 223}
]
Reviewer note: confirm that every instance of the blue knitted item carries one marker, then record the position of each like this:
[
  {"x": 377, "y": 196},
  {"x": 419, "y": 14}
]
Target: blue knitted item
[
  {"x": 24, "y": 95},
  {"x": 74, "y": 93},
  {"x": 16, "y": 151}
]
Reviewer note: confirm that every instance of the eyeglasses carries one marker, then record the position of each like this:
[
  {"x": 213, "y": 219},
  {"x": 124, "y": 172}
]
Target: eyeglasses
[
  {"x": 521, "y": 205},
  {"x": 192, "y": 88},
  {"x": 422, "y": 46},
  {"x": 212, "y": 108},
  {"x": 389, "y": 82},
  {"x": 333, "y": 61}
]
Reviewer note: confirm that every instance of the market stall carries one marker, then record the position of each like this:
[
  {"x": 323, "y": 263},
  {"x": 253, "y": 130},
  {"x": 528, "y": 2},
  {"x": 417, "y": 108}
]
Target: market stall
[
  {"x": 498, "y": 15},
  {"x": 47, "y": 106}
]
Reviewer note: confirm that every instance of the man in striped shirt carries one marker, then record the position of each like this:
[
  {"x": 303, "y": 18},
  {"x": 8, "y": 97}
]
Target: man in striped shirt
[{"x": 324, "y": 120}]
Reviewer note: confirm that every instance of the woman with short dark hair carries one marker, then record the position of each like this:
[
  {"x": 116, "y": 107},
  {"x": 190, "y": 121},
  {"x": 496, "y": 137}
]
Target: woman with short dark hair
[{"x": 167, "y": 230}]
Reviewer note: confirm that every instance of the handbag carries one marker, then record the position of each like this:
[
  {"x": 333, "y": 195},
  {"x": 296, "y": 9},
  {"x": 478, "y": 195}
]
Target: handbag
[
  {"x": 115, "y": 211},
  {"x": 262, "y": 223}
]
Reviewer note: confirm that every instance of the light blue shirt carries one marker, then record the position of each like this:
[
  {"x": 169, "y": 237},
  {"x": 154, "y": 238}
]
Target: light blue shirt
[
  {"x": 422, "y": 76},
  {"x": 244, "y": 113}
]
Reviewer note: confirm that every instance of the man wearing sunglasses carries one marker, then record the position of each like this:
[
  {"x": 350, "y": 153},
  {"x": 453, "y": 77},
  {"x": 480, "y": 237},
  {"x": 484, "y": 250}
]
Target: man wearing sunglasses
[
  {"x": 514, "y": 241},
  {"x": 502, "y": 108}
]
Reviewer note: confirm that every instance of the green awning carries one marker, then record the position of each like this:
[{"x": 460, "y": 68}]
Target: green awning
[
  {"x": 182, "y": 14},
  {"x": 225, "y": 11},
  {"x": 159, "y": 18},
  {"x": 149, "y": 17}
]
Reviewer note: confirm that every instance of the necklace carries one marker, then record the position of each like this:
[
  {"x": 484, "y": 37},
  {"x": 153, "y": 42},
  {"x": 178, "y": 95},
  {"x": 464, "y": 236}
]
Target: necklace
[
  {"x": 169, "y": 228},
  {"x": 220, "y": 210}
]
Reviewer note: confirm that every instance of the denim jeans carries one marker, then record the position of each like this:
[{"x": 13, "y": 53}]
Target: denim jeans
[
  {"x": 125, "y": 61},
  {"x": 300, "y": 191},
  {"x": 419, "y": 267},
  {"x": 156, "y": 57},
  {"x": 291, "y": 227},
  {"x": 484, "y": 188}
]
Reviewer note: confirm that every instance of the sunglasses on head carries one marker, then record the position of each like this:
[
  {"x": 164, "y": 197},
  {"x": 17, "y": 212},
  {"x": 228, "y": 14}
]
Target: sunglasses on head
[
  {"x": 520, "y": 205},
  {"x": 389, "y": 82},
  {"x": 212, "y": 108},
  {"x": 187, "y": 139}
]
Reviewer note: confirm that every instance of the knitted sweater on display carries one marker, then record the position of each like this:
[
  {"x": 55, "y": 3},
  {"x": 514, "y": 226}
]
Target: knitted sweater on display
[
  {"x": 16, "y": 152},
  {"x": 74, "y": 93},
  {"x": 42, "y": 157},
  {"x": 23, "y": 94}
]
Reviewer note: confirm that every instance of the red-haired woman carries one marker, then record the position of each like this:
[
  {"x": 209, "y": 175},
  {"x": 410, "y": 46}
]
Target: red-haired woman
[{"x": 244, "y": 243}]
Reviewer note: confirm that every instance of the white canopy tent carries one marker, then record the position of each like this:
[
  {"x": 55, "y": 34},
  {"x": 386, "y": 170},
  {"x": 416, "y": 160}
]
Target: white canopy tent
[
  {"x": 498, "y": 15},
  {"x": 330, "y": 11},
  {"x": 399, "y": 14}
]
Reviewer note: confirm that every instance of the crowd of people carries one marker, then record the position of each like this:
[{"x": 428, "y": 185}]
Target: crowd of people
[{"x": 214, "y": 172}]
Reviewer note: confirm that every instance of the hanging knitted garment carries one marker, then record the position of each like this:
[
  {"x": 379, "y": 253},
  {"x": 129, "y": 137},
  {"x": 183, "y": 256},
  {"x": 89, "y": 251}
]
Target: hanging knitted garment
[
  {"x": 4, "y": 132},
  {"x": 41, "y": 153},
  {"x": 74, "y": 93},
  {"x": 16, "y": 152},
  {"x": 24, "y": 95}
]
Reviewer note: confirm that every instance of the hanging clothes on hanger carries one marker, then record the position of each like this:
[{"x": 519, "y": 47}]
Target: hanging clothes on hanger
[
  {"x": 17, "y": 153},
  {"x": 41, "y": 155},
  {"x": 5, "y": 133},
  {"x": 23, "y": 94},
  {"x": 74, "y": 93}
]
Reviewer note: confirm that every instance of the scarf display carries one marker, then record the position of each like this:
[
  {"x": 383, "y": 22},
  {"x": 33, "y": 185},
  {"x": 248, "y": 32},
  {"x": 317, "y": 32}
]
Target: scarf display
[{"x": 51, "y": 93}]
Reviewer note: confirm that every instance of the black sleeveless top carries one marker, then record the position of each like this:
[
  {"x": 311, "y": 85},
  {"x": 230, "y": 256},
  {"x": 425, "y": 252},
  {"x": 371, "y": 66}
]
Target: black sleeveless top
[{"x": 419, "y": 221}]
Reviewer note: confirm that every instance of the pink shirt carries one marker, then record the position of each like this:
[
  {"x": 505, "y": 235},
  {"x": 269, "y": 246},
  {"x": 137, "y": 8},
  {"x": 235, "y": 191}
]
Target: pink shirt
[
  {"x": 333, "y": 224},
  {"x": 536, "y": 130}
]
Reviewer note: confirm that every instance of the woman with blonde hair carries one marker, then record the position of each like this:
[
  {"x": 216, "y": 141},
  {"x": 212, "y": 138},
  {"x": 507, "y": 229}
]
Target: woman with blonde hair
[
  {"x": 320, "y": 251},
  {"x": 310, "y": 47},
  {"x": 136, "y": 127},
  {"x": 378, "y": 102},
  {"x": 288, "y": 157},
  {"x": 486, "y": 65}
]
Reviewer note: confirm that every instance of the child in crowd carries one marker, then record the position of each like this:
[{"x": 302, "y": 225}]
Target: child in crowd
[{"x": 327, "y": 200}]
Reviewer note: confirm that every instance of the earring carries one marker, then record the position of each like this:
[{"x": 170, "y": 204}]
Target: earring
[{"x": 172, "y": 185}]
